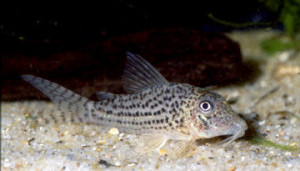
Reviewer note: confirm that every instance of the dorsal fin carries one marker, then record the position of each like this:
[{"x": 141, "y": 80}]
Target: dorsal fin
[
  {"x": 139, "y": 74},
  {"x": 101, "y": 95}
]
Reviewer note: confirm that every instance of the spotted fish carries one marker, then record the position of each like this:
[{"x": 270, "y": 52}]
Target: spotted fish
[{"x": 159, "y": 110}]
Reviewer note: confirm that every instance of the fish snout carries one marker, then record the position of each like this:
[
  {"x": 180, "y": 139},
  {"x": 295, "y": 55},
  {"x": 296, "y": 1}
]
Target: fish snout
[{"x": 239, "y": 128}]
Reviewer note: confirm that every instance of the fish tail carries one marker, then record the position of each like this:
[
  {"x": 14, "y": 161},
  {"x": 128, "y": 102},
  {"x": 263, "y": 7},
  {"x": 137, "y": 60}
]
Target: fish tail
[{"x": 71, "y": 106}]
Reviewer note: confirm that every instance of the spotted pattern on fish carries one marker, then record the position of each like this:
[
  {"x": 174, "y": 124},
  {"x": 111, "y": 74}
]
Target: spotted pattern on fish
[
  {"x": 154, "y": 107},
  {"x": 141, "y": 112}
]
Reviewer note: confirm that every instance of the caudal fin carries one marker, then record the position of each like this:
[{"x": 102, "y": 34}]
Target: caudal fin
[{"x": 71, "y": 106}]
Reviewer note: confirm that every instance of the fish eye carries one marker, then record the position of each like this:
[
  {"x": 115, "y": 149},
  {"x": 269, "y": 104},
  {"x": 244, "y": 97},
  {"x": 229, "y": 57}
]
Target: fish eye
[{"x": 205, "y": 106}]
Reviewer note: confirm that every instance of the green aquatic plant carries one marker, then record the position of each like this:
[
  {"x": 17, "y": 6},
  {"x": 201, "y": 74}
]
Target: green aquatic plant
[
  {"x": 237, "y": 25},
  {"x": 262, "y": 141},
  {"x": 288, "y": 15},
  {"x": 277, "y": 44}
]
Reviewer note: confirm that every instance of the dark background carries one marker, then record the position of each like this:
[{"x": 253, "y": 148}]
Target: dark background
[
  {"x": 68, "y": 43},
  {"x": 78, "y": 23}
]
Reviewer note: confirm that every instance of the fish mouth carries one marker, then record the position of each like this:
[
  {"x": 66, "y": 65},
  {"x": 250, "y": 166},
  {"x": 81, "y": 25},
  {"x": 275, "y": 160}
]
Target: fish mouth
[{"x": 238, "y": 132}]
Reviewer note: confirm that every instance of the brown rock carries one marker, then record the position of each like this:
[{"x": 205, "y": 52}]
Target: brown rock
[
  {"x": 180, "y": 54},
  {"x": 183, "y": 55}
]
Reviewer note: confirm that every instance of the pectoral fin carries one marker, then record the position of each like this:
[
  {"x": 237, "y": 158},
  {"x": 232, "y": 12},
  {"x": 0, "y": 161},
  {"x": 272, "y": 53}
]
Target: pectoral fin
[
  {"x": 151, "y": 142},
  {"x": 178, "y": 148}
]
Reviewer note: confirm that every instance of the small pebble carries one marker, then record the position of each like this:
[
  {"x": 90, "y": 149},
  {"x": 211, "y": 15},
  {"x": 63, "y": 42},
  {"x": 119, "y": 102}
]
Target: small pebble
[
  {"x": 122, "y": 135},
  {"x": 93, "y": 133},
  {"x": 131, "y": 165},
  {"x": 102, "y": 142},
  {"x": 208, "y": 144},
  {"x": 263, "y": 84},
  {"x": 294, "y": 121},
  {"x": 105, "y": 163},
  {"x": 233, "y": 97},
  {"x": 114, "y": 131},
  {"x": 162, "y": 152},
  {"x": 242, "y": 158},
  {"x": 284, "y": 56},
  {"x": 117, "y": 163},
  {"x": 260, "y": 123},
  {"x": 71, "y": 156},
  {"x": 294, "y": 144},
  {"x": 232, "y": 168},
  {"x": 288, "y": 153},
  {"x": 285, "y": 71}
]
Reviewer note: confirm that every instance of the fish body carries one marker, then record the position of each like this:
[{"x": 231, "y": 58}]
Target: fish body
[{"x": 157, "y": 109}]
